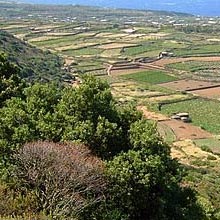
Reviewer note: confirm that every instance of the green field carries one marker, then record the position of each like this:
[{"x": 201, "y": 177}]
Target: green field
[
  {"x": 150, "y": 76},
  {"x": 83, "y": 51},
  {"x": 210, "y": 144},
  {"x": 206, "y": 49},
  {"x": 193, "y": 66},
  {"x": 204, "y": 113}
]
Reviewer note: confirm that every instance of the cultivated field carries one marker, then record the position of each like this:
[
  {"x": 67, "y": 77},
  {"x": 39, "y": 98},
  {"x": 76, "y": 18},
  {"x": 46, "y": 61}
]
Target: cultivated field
[{"x": 188, "y": 85}]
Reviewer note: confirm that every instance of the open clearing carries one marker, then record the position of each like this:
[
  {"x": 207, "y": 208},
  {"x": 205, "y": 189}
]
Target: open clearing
[
  {"x": 203, "y": 112},
  {"x": 184, "y": 131},
  {"x": 187, "y": 85},
  {"x": 186, "y": 150},
  {"x": 181, "y": 130}
]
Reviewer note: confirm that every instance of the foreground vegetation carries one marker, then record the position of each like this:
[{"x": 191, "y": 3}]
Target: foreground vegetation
[{"x": 138, "y": 180}]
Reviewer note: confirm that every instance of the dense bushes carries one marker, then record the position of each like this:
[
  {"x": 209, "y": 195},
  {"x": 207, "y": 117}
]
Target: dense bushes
[{"x": 138, "y": 180}]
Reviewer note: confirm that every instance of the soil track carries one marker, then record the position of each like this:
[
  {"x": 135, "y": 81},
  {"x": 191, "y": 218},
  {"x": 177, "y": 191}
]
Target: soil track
[
  {"x": 181, "y": 130},
  {"x": 152, "y": 115},
  {"x": 166, "y": 61},
  {"x": 185, "y": 131}
]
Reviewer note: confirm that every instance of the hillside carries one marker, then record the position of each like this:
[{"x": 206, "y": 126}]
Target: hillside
[
  {"x": 80, "y": 10},
  {"x": 201, "y": 7},
  {"x": 34, "y": 63}
]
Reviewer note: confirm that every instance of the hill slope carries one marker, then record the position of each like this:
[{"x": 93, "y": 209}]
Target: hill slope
[
  {"x": 202, "y": 7},
  {"x": 34, "y": 63}
]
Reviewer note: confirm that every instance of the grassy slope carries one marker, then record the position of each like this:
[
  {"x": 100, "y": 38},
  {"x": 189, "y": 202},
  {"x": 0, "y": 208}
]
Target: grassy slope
[{"x": 35, "y": 64}]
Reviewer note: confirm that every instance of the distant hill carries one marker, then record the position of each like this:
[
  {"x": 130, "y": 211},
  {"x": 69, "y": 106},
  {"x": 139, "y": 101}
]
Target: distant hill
[
  {"x": 35, "y": 64},
  {"x": 82, "y": 12},
  {"x": 197, "y": 7}
]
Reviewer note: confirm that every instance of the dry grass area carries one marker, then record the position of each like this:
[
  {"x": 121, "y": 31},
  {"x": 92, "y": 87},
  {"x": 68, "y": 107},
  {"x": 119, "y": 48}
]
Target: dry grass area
[
  {"x": 186, "y": 150},
  {"x": 43, "y": 38},
  {"x": 125, "y": 71},
  {"x": 60, "y": 34},
  {"x": 167, "y": 97},
  {"x": 131, "y": 90},
  {"x": 20, "y": 36},
  {"x": 68, "y": 61},
  {"x": 152, "y": 115},
  {"x": 213, "y": 40},
  {"x": 17, "y": 26}
]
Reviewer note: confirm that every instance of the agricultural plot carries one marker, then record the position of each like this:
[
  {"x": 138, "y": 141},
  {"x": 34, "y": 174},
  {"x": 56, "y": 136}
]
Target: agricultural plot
[
  {"x": 83, "y": 52},
  {"x": 150, "y": 76},
  {"x": 204, "y": 113},
  {"x": 211, "y": 93},
  {"x": 131, "y": 91},
  {"x": 183, "y": 60},
  {"x": 204, "y": 49},
  {"x": 206, "y": 70},
  {"x": 188, "y": 85},
  {"x": 185, "y": 131}
]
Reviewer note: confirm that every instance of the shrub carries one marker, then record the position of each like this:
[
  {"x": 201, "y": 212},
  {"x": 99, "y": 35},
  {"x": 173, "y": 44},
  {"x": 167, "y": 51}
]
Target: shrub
[{"x": 64, "y": 178}]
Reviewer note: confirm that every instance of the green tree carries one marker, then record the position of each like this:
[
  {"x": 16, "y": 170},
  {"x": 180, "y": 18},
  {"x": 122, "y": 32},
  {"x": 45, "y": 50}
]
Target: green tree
[
  {"x": 10, "y": 83},
  {"x": 145, "y": 182}
]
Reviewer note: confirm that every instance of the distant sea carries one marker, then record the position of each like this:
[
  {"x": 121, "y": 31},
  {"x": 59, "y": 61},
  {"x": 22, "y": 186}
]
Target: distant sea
[{"x": 196, "y": 7}]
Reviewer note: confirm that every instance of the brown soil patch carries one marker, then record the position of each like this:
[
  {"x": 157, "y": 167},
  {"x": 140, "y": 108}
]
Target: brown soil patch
[
  {"x": 184, "y": 131},
  {"x": 184, "y": 85},
  {"x": 164, "y": 62},
  {"x": 212, "y": 93},
  {"x": 151, "y": 115}
]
